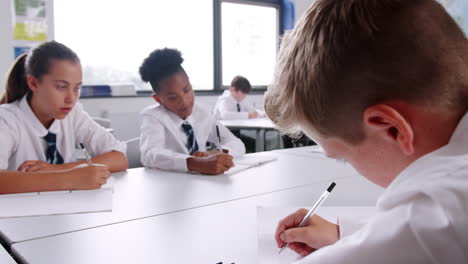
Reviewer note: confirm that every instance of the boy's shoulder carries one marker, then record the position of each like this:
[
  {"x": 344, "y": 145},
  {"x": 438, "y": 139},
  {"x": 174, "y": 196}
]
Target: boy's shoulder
[
  {"x": 436, "y": 175},
  {"x": 226, "y": 95}
]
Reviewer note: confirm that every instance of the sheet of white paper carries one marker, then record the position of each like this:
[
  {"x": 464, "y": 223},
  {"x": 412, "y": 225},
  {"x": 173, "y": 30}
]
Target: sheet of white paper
[
  {"x": 57, "y": 202},
  {"x": 253, "y": 160},
  {"x": 246, "y": 162},
  {"x": 269, "y": 217},
  {"x": 267, "y": 220}
]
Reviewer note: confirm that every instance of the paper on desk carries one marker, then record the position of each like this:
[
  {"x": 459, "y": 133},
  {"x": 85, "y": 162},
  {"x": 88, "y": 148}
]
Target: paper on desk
[
  {"x": 269, "y": 217},
  {"x": 248, "y": 161},
  {"x": 267, "y": 220},
  {"x": 57, "y": 202}
]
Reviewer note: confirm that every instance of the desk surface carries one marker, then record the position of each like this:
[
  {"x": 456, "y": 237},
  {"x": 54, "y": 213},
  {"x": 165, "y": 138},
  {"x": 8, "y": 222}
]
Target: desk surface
[
  {"x": 256, "y": 123},
  {"x": 5, "y": 258},
  {"x": 224, "y": 232},
  {"x": 141, "y": 193}
]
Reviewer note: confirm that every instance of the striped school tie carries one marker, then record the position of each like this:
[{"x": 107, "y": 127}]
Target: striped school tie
[
  {"x": 192, "y": 144},
  {"x": 238, "y": 107},
  {"x": 52, "y": 154}
]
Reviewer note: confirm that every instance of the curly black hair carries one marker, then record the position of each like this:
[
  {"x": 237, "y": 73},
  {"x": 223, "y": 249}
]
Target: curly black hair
[{"x": 159, "y": 65}]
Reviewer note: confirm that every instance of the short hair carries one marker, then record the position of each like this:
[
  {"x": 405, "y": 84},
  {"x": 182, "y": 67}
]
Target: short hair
[
  {"x": 160, "y": 65},
  {"x": 344, "y": 56},
  {"x": 240, "y": 83}
]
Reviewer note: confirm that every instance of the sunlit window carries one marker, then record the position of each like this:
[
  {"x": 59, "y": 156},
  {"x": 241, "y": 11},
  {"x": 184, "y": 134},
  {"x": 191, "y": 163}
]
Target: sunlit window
[
  {"x": 112, "y": 37},
  {"x": 249, "y": 42}
]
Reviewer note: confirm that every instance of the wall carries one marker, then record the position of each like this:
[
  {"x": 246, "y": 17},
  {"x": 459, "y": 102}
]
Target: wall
[
  {"x": 6, "y": 41},
  {"x": 301, "y": 7}
]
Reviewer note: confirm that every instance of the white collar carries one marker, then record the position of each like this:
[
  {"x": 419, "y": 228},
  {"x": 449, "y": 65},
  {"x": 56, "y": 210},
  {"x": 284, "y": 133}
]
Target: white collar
[
  {"x": 179, "y": 121},
  {"x": 457, "y": 145}
]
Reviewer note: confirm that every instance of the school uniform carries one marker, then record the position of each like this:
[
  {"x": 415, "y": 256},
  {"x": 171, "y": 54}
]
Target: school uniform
[
  {"x": 22, "y": 136},
  {"x": 227, "y": 108},
  {"x": 422, "y": 216},
  {"x": 164, "y": 141}
]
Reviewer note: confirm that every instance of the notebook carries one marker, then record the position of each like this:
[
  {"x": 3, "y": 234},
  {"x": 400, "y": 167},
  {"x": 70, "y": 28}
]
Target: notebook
[
  {"x": 248, "y": 161},
  {"x": 57, "y": 202}
]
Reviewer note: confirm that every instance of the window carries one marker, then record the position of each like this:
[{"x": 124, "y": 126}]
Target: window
[
  {"x": 113, "y": 37},
  {"x": 249, "y": 36},
  {"x": 246, "y": 40}
]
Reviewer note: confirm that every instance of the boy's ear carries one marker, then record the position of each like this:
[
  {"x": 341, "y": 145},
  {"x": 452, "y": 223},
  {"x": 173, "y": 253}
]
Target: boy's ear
[
  {"x": 32, "y": 82},
  {"x": 392, "y": 124},
  {"x": 156, "y": 98}
]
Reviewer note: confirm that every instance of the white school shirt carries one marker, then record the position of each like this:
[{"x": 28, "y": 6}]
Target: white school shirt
[
  {"x": 226, "y": 107},
  {"x": 422, "y": 216},
  {"x": 21, "y": 135},
  {"x": 163, "y": 140}
]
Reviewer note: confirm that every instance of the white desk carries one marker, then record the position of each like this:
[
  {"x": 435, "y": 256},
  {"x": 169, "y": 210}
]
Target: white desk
[
  {"x": 141, "y": 193},
  {"x": 308, "y": 151},
  {"x": 224, "y": 232},
  {"x": 5, "y": 258},
  {"x": 260, "y": 125}
]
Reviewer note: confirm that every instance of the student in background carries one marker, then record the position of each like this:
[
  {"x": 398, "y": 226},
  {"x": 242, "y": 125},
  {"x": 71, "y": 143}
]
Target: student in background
[
  {"x": 234, "y": 104},
  {"x": 41, "y": 126},
  {"x": 174, "y": 133},
  {"x": 382, "y": 85}
]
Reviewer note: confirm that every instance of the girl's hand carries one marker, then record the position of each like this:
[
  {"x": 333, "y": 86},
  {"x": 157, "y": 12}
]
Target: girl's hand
[
  {"x": 37, "y": 165},
  {"x": 87, "y": 178}
]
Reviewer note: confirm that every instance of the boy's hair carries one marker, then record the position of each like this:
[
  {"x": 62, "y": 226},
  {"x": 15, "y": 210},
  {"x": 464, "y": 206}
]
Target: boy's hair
[
  {"x": 241, "y": 83},
  {"x": 35, "y": 63},
  {"x": 159, "y": 65},
  {"x": 344, "y": 56}
]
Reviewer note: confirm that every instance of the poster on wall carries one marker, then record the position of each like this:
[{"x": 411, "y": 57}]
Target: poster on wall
[{"x": 30, "y": 24}]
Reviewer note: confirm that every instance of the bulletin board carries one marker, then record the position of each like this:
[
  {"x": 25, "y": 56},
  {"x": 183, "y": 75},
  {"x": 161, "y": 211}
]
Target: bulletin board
[{"x": 29, "y": 24}]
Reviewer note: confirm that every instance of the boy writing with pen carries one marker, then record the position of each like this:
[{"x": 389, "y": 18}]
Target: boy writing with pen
[
  {"x": 174, "y": 133},
  {"x": 382, "y": 84}
]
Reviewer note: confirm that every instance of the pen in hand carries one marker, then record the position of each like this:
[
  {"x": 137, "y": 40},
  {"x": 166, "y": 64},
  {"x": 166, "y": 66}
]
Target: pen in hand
[
  {"x": 88, "y": 158},
  {"x": 314, "y": 208},
  {"x": 219, "y": 139}
]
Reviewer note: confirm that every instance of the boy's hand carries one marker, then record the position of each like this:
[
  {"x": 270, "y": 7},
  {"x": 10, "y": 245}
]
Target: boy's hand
[
  {"x": 253, "y": 115},
  {"x": 316, "y": 233},
  {"x": 212, "y": 165},
  {"x": 87, "y": 178},
  {"x": 37, "y": 165}
]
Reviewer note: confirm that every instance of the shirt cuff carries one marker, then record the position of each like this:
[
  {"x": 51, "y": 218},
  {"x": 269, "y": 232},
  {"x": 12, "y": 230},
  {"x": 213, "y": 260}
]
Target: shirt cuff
[{"x": 180, "y": 163}]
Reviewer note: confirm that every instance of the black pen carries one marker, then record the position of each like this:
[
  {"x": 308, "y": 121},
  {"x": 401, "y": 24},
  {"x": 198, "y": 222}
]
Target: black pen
[
  {"x": 219, "y": 138},
  {"x": 88, "y": 158}
]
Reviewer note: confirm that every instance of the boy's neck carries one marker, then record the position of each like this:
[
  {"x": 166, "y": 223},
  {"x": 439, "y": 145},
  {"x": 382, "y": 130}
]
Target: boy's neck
[{"x": 432, "y": 129}]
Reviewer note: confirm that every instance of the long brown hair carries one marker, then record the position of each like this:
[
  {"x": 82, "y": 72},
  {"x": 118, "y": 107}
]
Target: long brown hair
[{"x": 36, "y": 63}]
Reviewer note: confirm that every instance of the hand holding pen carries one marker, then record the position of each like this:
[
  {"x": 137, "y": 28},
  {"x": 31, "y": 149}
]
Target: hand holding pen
[{"x": 304, "y": 232}]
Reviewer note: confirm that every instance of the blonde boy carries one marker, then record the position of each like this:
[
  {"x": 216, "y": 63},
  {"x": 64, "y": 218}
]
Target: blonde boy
[{"x": 382, "y": 84}]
